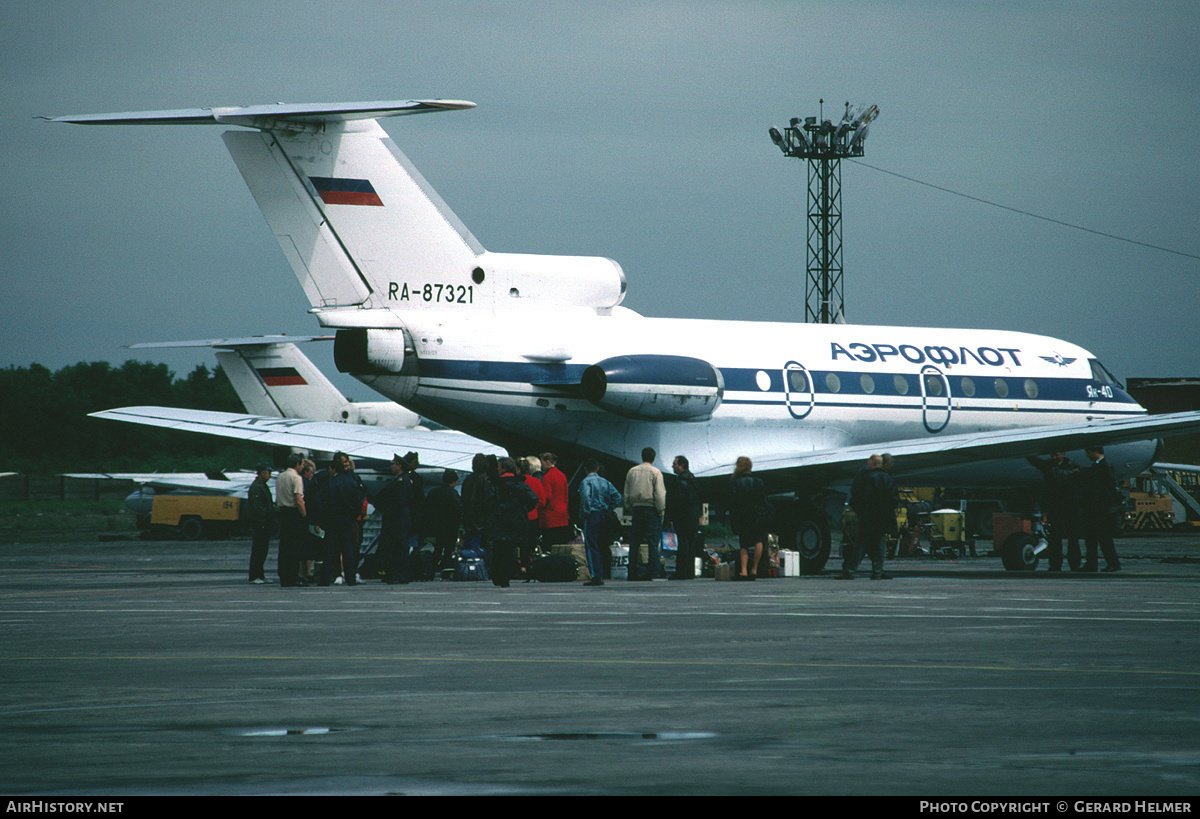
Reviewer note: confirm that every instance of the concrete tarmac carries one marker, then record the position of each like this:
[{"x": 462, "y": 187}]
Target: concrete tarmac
[{"x": 155, "y": 668}]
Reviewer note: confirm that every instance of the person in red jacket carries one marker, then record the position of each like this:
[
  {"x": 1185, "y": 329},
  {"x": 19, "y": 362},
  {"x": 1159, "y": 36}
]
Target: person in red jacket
[{"x": 554, "y": 520}]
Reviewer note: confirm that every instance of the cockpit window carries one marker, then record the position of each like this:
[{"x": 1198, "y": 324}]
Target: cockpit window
[{"x": 1102, "y": 375}]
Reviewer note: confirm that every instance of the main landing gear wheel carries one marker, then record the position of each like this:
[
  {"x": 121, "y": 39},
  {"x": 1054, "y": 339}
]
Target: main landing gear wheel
[
  {"x": 813, "y": 542},
  {"x": 1018, "y": 554},
  {"x": 805, "y": 528}
]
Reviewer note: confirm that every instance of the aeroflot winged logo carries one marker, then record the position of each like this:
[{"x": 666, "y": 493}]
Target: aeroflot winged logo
[
  {"x": 338, "y": 191},
  {"x": 1057, "y": 359}
]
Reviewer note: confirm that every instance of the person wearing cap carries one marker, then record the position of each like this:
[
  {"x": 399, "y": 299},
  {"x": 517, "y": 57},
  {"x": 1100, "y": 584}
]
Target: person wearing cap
[
  {"x": 416, "y": 529},
  {"x": 394, "y": 503},
  {"x": 261, "y": 509}
]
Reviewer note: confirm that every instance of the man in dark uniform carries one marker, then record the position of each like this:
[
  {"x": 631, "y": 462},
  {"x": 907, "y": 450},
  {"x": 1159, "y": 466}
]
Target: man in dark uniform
[
  {"x": 874, "y": 499},
  {"x": 683, "y": 513},
  {"x": 394, "y": 503},
  {"x": 1060, "y": 504},
  {"x": 1101, "y": 503},
  {"x": 262, "y": 522},
  {"x": 508, "y": 522},
  {"x": 852, "y": 518},
  {"x": 478, "y": 498},
  {"x": 443, "y": 514},
  {"x": 341, "y": 502}
]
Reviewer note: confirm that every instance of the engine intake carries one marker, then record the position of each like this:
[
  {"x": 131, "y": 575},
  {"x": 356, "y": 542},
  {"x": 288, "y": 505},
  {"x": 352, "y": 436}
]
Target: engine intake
[
  {"x": 361, "y": 351},
  {"x": 655, "y": 387}
]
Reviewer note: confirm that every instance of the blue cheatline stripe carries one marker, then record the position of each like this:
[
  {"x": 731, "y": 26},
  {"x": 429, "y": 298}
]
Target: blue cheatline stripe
[{"x": 745, "y": 380}]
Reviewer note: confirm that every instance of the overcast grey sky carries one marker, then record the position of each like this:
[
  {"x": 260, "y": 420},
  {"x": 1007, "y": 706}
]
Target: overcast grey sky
[{"x": 636, "y": 131}]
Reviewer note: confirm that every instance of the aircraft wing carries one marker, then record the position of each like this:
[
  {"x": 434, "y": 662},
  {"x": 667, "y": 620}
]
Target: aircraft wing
[
  {"x": 920, "y": 456},
  {"x": 444, "y": 448},
  {"x": 234, "y": 483}
]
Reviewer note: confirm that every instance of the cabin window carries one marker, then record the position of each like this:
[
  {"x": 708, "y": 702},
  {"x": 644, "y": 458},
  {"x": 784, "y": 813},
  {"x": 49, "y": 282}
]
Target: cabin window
[
  {"x": 933, "y": 385},
  {"x": 1001, "y": 388},
  {"x": 967, "y": 385},
  {"x": 867, "y": 383},
  {"x": 797, "y": 381},
  {"x": 901, "y": 384},
  {"x": 1031, "y": 388},
  {"x": 833, "y": 383}
]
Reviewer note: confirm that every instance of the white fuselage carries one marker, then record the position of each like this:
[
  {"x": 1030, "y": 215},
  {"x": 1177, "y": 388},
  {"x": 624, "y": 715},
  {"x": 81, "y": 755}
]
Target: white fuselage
[{"x": 787, "y": 388}]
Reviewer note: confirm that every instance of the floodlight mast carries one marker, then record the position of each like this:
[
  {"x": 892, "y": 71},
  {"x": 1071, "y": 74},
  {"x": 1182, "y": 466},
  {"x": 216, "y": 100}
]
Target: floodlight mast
[{"x": 824, "y": 144}]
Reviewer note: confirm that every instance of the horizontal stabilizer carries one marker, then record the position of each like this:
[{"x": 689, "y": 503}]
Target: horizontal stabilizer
[
  {"x": 233, "y": 343},
  {"x": 269, "y": 117}
]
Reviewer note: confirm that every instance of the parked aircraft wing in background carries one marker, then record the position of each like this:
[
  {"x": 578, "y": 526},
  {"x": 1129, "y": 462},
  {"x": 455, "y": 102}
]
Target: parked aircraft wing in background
[
  {"x": 217, "y": 483},
  {"x": 445, "y": 448}
]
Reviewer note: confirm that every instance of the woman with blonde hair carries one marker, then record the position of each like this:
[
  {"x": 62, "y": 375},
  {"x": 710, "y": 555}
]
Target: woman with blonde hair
[{"x": 749, "y": 515}]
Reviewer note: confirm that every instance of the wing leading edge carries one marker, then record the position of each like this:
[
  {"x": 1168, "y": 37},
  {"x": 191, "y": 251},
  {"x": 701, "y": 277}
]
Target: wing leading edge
[{"x": 916, "y": 458}]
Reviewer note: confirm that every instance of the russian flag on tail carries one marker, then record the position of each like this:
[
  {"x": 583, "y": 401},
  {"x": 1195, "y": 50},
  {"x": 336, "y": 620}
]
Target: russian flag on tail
[
  {"x": 281, "y": 377},
  {"x": 336, "y": 191}
]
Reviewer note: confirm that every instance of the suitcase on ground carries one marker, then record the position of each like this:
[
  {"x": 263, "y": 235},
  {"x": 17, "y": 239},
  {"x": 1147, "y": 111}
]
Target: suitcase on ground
[{"x": 553, "y": 569}]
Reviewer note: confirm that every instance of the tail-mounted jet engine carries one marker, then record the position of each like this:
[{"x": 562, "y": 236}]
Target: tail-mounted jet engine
[
  {"x": 655, "y": 387},
  {"x": 360, "y": 351}
]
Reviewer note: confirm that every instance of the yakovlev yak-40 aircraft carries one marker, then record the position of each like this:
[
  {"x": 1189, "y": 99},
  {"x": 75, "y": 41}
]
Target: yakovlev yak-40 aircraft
[{"x": 533, "y": 352}]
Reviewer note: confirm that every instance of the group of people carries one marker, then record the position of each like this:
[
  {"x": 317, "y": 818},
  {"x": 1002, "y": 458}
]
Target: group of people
[
  {"x": 508, "y": 507},
  {"x": 651, "y": 506},
  {"x": 307, "y": 506},
  {"x": 1080, "y": 501}
]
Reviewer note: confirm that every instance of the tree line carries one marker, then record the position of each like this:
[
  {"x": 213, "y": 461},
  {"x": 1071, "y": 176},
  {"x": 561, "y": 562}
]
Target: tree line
[{"x": 47, "y": 429}]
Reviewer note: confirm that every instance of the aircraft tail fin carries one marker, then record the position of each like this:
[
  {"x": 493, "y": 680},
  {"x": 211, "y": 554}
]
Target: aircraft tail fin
[
  {"x": 356, "y": 221},
  {"x": 354, "y": 218},
  {"x": 360, "y": 226},
  {"x": 279, "y": 381},
  {"x": 271, "y": 376}
]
